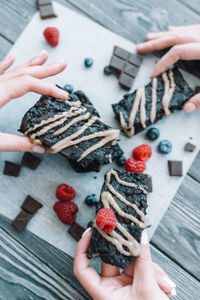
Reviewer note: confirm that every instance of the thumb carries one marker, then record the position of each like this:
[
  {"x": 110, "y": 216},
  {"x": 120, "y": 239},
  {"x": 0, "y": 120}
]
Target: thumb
[
  {"x": 143, "y": 266},
  {"x": 11, "y": 142},
  {"x": 192, "y": 104}
]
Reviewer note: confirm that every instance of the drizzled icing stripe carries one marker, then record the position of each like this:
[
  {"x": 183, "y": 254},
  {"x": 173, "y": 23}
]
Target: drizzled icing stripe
[
  {"x": 168, "y": 91},
  {"x": 154, "y": 100},
  {"x": 115, "y": 238},
  {"x": 142, "y": 109}
]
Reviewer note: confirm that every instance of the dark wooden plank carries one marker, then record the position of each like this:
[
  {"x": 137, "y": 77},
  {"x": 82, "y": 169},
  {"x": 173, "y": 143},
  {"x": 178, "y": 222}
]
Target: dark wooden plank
[
  {"x": 30, "y": 268},
  {"x": 178, "y": 234},
  {"x": 193, "y": 5},
  {"x": 59, "y": 263},
  {"x": 4, "y": 47},
  {"x": 194, "y": 170}
]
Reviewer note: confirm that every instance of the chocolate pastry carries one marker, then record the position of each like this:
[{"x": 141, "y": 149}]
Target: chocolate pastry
[
  {"x": 125, "y": 193},
  {"x": 147, "y": 105},
  {"x": 74, "y": 129}
]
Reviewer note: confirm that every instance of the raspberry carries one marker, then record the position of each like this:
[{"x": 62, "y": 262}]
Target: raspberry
[
  {"x": 66, "y": 211},
  {"x": 51, "y": 35},
  {"x": 106, "y": 220},
  {"x": 65, "y": 192},
  {"x": 142, "y": 153},
  {"x": 135, "y": 166}
]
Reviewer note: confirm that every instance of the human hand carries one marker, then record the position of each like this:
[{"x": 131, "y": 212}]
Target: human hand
[
  {"x": 141, "y": 280},
  {"x": 185, "y": 44},
  {"x": 17, "y": 82}
]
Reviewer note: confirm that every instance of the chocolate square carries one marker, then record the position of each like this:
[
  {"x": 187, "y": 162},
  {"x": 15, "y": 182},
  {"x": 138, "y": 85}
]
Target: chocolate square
[
  {"x": 11, "y": 169},
  {"x": 21, "y": 221},
  {"x": 149, "y": 185},
  {"x": 47, "y": 11},
  {"x": 43, "y": 2},
  {"x": 126, "y": 81},
  {"x": 189, "y": 147},
  {"x": 197, "y": 89},
  {"x": 135, "y": 59},
  {"x": 175, "y": 167},
  {"x": 31, "y": 161},
  {"x": 31, "y": 205},
  {"x": 76, "y": 231},
  {"x": 116, "y": 64},
  {"x": 120, "y": 52}
]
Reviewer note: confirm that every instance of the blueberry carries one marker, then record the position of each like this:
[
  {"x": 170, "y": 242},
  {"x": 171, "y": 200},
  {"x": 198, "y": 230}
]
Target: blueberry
[
  {"x": 153, "y": 133},
  {"x": 165, "y": 147},
  {"x": 121, "y": 160},
  {"x": 90, "y": 224},
  {"x": 91, "y": 200},
  {"x": 107, "y": 71},
  {"x": 88, "y": 62},
  {"x": 69, "y": 88}
]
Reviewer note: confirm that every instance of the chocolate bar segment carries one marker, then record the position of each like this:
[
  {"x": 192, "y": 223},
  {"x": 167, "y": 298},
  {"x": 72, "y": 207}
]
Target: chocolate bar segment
[
  {"x": 150, "y": 186},
  {"x": 21, "y": 221},
  {"x": 31, "y": 205},
  {"x": 30, "y": 160},
  {"x": 74, "y": 129},
  {"x": 11, "y": 169},
  {"x": 189, "y": 147},
  {"x": 76, "y": 231},
  {"x": 152, "y": 102},
  {"x": 125, "y": 65},
  {"x": 175, "y": 167},
  {"x": 125, "y": 193},
  {"x": 46, "y": 9}
]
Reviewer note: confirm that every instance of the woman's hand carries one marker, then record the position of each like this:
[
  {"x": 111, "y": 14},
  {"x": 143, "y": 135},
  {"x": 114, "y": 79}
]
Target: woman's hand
[
  {"x": 141, "y": 280},
  {"x": 185, "y": 44},
  {"x": 17, "y": 82}
]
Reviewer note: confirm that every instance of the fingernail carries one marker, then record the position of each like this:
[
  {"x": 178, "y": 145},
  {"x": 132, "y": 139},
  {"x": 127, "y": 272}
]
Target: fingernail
[
  {"x": 140, "y": 46},
  {"x": 173, "y": 293},
  {"x": 86, "y": 232},
  {"x": 169, "y": 281},
  {"x": 189, "y": 107},
  {"x": 62, "y": 62},
  {"x": 38, "y": 149},
  {"x": 37, "y": 59},
  {"x": 144, "y": 239},
  {"x": 43, "y": 52}
]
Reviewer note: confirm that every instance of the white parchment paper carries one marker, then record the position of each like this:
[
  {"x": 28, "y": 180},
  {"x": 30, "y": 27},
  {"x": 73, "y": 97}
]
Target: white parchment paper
[{"x": 80, "y": 38}]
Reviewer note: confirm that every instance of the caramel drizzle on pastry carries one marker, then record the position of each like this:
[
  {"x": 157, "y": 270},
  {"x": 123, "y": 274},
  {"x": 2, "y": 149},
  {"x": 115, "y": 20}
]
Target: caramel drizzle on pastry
[
  {"x": 125, "y": 238},
  {"x": 73, "y": 139},
  {"x": 140, "y": 100}
]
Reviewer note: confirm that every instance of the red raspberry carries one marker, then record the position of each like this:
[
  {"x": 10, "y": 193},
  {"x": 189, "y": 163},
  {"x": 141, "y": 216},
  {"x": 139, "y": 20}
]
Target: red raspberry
[
  {"x": 66, "y": 211},
  {"x": 135, "y": 166},
  {"x": 143, "y": 152},
  {"x": 51, "y": 35},
  {"x": 106, "y": 220},
  {"x": 65, "y": 192}
]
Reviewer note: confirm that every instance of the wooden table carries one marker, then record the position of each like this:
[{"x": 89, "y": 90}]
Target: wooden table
[{"x": 30, "y": 268}]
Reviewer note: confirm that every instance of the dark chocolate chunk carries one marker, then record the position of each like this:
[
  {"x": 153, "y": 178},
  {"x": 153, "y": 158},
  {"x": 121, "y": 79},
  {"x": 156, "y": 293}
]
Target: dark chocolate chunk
[
  {"x": 76, "y": 231},
  {"x": 11, "y": 169},
  {"x": 47, "y": 11},
  {"x": 99, "y": 245},
  {"x": 31, "y": 205},
  {"x": 125, "y": 65},
  {"x": 175, "y": 167},
  {"x": 31, "y": 161},
  {"x": 124, "y": 107},
  {"x": 47, "y": 107},
  {"x": 149, "y": 187},
  {"x": 197, "y": 89},
  {"x": 44, "y": 2},
  {"x": 21, "y": 221},
  {"x": 189, "y": 147}
]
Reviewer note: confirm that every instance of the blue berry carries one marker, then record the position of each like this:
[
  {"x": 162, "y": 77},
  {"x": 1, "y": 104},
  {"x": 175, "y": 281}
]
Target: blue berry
[
  {"x": 90, "y": 224},
  {"x": 69, "y": 88},
  {"x": 165, "y": 147},
  {"x": 121, "y": 160},
  {"x": 88, "y": 62},
  {"x": 108, "y": 71},
  {"x": 153, "y": 133},
  {"x": 91, "y": 200}
]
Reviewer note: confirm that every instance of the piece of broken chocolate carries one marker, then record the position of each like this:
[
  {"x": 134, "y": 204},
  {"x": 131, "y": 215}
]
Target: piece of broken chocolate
[
  {"x": 76, "y": 231},
  {"x": 30, "y": 160},
  {"x": 175, "y": 167},
  {"x": 74, "y": 129},
  {"x": 148, "y": 104},
  {"x": 125, "y": 193},
  {"x": 189, "y": 147},
  {"x": 11, "y": 169},
  {"x": 46, "y": 9},
  {"x": 149, "y": 185},
  {"x": 31, "y": 205},
  {"x": 125, "y": 65},
  {"x": 21, "y": 221}
]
